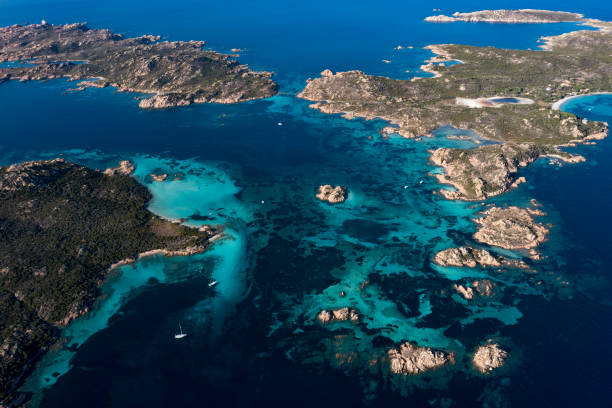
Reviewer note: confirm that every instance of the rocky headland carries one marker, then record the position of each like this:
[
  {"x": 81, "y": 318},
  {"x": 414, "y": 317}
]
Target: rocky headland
[
  {"x": 488, "y": 171},
  {"x": 489, "y": 357},
  {"x": 509, "y": 16},
  {"x": 176, "y": 73},
  {"x": 410, "y": 358},
  {"x": 101, "y": 221},
  {"x": 125, "y": 168},
  {"x": 331, "y": 194}
]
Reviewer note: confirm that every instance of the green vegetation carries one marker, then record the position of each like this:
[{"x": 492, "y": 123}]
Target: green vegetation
[
  {"x": 61, "y": 227},
  {"x": 581, "y": 63}
]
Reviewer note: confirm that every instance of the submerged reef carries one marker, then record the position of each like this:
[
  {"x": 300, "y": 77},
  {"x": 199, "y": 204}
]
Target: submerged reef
[
  {"x": 177, "y": 73},
  {"x": 63, "y": 228}
]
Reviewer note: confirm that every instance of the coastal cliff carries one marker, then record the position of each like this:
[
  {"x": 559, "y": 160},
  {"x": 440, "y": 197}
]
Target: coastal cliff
[
  {"x": 63, "y": 227},
  {"x": 177, "y": 73}
]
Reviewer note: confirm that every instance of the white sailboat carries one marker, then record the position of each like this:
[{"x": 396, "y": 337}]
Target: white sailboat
[{"x": 180, "y": 335}]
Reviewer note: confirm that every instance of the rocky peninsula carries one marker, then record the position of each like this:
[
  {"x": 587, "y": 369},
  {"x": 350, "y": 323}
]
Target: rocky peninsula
[
  {"x": 509, "y": 16},
  {"x": 331, "y": 194},
  {"x": 101, "y": 221},
  {"x": 176, "y": 73}
]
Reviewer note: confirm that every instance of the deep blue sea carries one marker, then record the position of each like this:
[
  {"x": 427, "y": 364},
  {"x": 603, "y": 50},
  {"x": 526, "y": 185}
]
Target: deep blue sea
[{"x": 253, "y": 339}]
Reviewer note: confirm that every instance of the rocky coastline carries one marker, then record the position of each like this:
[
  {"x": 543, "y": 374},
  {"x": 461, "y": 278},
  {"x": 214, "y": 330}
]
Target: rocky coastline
[
  {"x": 175, "y": 73},
  {"x": 483, "y": 172},
  {"x": 43, "y": 286},
  {"x": 509, "y": 16},
  {"x": 521, "y": 126}
]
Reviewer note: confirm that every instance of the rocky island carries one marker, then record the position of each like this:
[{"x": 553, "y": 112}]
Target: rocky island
[
  {"x": 489, "y": 357},
  {"x": 509, "y": 16},
  {"x": 470, "y": 257},
  {"x": 63, "y": 227},
  {"x": 175, "y": 73},
  {"x": 510, "y": 228},
  {"x": 576, "y": 63},
  {"x": 483, "y": 288},
  {"x": 338, "y": 315},
  {"x": 506, "y": 96},
  {"x": 410, "y": 358},
  {"x": 331, "y": 194}
]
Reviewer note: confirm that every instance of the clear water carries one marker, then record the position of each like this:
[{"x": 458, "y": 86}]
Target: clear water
[
  {"x": 505, "y": 100},
  {"x": 253, "y": 339}
]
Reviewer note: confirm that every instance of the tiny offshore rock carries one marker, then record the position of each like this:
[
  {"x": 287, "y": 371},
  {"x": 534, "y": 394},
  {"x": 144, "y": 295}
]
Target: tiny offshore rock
[
  {"x": 331, "y": 194},
  {"x": 489, "y": 357},
  {"x": 158, "y": 177},
  {"x": 483, "y": 288},
  {"x": 409, "y": 358}
]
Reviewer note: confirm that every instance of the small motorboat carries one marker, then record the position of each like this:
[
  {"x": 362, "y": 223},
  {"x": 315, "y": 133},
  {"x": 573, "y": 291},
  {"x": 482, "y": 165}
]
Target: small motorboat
[
  {"x": 212, "y": 283},
  {"x": 180, "y": 334}
]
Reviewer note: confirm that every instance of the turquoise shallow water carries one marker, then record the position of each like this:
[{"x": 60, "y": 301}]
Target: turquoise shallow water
[{"x": 253, "y": 339}]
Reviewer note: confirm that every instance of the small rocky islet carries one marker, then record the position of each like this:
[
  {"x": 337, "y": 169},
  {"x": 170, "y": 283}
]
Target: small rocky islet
[{"x": 331, "y": 194}]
